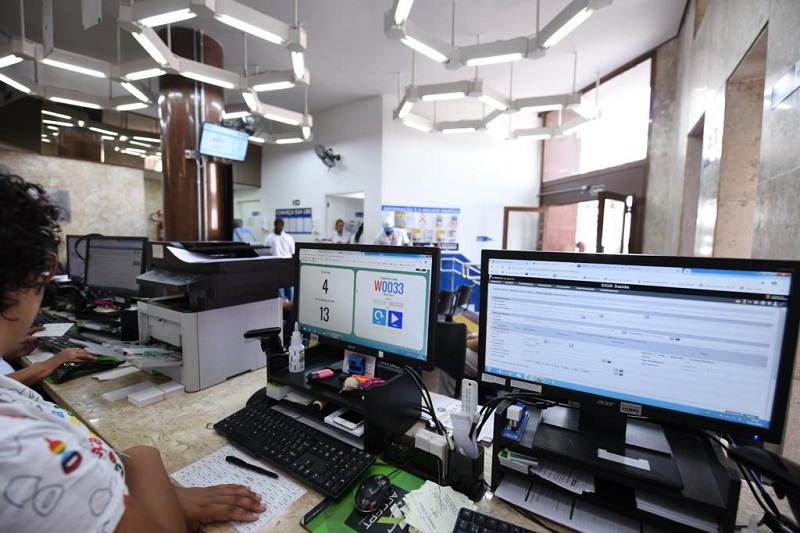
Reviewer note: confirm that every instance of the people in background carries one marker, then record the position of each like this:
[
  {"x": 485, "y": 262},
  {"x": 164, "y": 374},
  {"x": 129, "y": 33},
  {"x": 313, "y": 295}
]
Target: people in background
[
  {"x": 356, "y": 238},
  {"x": 281, "y": 244},
  {"x": 55, "y": 473},
  {"x": 391, "y": 236},
  {"x": 33, "y": 374},
  {"x": 340, "y": 235}
]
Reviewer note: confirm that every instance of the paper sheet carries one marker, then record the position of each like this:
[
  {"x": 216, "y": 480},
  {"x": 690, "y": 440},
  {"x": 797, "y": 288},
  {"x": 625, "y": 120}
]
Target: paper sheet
[
  {"x": 40, "y": 357},
  {"x": 277, "y": 494},
  {"x": 56, "y": 329},
  {"x": 118, "y": 372},
  {"x": 433, "y": 508},
  {"x": 444, "y": 405}
]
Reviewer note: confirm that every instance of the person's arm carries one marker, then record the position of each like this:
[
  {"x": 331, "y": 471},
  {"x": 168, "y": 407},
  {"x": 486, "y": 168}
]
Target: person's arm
[
  {"x": 156, "y": 505},
  {"x": 25, "y": 346},
  {"x": 36, "y": 372}
]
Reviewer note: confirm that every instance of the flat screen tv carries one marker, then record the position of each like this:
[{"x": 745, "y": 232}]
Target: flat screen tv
[{"x": 222, "y": 142}]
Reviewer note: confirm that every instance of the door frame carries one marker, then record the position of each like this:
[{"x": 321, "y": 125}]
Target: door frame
[{"x": 507, "y": 210}]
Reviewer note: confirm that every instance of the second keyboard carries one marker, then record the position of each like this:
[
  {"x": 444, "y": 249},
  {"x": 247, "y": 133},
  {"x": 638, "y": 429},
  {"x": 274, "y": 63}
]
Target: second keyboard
[{"x": 318, "y": 460}]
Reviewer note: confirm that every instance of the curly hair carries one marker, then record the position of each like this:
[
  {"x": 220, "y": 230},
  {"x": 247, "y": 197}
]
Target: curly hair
[{"x": 29, "y": 231}]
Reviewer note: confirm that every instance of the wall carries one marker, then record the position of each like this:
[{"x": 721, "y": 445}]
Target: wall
[
  {"x": 294, "y": 172},
  {"x": 477, "y": 173},
  {"x": 104, "y": 198}
]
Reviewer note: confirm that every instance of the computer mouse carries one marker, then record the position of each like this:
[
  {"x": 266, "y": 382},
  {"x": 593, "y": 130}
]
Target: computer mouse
[{"x": 372, "y": 492}]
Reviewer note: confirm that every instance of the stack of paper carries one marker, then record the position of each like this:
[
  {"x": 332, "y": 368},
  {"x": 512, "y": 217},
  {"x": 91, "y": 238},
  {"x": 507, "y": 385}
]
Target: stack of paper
[
  {"x": 566, "y": 477},
  {"x": 433, "y": 508},
  {"x": 517, "y": 461}
]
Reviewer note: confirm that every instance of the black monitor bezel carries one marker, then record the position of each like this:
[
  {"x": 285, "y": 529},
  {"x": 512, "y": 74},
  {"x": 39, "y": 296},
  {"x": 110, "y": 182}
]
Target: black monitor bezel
[
  {"x": 77, "y": 239},
  {"x": 384, "y": 356},
  {"x": 118, "y": 291},
  {"x": 661, "y": 415},
  {"x": 203, "y": 129}
]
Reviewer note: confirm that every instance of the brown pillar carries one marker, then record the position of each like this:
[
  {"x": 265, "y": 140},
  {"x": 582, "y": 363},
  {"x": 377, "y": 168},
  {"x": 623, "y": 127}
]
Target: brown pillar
[{"x": 194, "y": 203}]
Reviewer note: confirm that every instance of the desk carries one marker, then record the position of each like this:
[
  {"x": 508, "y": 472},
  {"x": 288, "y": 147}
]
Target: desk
[{"x": 181, "y": 428}]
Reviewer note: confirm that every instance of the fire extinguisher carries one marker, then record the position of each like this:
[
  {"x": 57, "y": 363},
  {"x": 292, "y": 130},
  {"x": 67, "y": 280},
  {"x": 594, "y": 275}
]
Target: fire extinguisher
[
  {"x": 160, "y": 229},
  {"x": 158, "y": 217}
]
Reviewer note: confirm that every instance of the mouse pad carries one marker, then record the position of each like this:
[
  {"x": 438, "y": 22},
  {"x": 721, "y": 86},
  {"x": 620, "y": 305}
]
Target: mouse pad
[{"x": 331, "y": 515}]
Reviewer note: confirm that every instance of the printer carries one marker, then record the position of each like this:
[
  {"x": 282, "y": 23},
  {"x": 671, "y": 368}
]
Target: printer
[{"x": 211, "y": 294}]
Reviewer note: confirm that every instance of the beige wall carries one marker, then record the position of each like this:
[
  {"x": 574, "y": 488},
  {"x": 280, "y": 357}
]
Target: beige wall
[{"x": 104, "y": 199}]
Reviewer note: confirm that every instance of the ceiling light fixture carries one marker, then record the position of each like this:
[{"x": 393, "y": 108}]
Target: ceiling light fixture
[
  {"x": 70, "y": 101},
  {"x": 168, "y": 18},
  {"x": 54, "y": 128},
  {"x": 249, "y": 28},
  {"x": 298, "y": 64},
  {"x": 567, "y": 20},
  {"x": 306, "y": 132},
  {"x": 274, "y": 86},
  {"x": 145, "y": 74},
  {"x": 207, "y": 79},
  {"x": 131, "y": 88},
  {"x": 137, "y": 143},
  {"x": 424, "y": 49},
  {"x": 131, "y": 107},
  {"x": 281, "y": 118},
  {"x": 250, "y": 100},
  {"x": 149, "y": 45},
  {"x": 289, "y": 140},
  {"x": 235, "y": 114},
  {"x": 107, "y": 138},
  {"x": 147, "y": 139},
  {"x": 259, "y": 140},
  {"x": 15, "y": 84},
  {"x": 401, "y": 10},
  {"x": 54, "y": 114},
  {"x": 102, "y": 131},
  {"x": 9, "y": 60},
  {"x": 74, "y": 68},
  {"x": 491, "y": 60},
  {"x": 46, "y": 140}
]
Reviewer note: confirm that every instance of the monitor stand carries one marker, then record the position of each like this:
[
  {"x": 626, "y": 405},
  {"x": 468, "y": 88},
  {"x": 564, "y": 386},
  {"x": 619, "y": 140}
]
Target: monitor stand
[{"x": 613, "y": 444}]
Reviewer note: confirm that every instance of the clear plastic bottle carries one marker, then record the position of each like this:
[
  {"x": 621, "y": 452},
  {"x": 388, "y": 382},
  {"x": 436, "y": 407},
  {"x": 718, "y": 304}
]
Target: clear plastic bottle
[{"x": 297, "y": 352}]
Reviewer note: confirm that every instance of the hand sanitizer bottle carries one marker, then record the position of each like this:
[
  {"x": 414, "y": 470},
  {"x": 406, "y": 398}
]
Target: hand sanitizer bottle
[{"x": 297, "y": 352}]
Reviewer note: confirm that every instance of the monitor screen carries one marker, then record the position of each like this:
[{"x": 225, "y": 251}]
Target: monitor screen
[
  {"x": 76, "y": 257},
  {"x": 703, "y": 342},
  {"x": 375, "y": 300},
  {"x": 226, "y": 143},
  {"x": 112, "y": 263}
]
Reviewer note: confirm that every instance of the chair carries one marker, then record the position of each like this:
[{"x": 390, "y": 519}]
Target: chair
[
  {"x": 450, "y": 350},
  {"x": 444, "y": 306}
]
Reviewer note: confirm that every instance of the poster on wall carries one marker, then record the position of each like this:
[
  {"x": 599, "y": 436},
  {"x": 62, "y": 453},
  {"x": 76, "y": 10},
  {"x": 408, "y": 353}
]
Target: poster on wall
[
  {"x": 425, "y": 225},
  {"x": 296, "y": 220}
]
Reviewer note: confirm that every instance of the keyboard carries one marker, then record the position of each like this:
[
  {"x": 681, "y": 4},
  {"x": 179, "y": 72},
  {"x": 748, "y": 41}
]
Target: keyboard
[
  {"x": 317, "y": 460},
  {"x": 470, "y": 521}
]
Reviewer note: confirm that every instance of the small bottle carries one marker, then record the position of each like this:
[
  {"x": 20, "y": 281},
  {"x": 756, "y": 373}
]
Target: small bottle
[{"x": 297, "y": 352}]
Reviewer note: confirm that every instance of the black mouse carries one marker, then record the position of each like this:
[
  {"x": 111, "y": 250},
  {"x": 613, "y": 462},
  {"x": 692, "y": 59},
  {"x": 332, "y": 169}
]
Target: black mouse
[{"x": 372, "y": 492}]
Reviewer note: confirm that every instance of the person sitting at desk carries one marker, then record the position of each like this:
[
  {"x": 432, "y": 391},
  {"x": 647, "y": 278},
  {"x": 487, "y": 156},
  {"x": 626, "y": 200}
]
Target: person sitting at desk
[
  {"x": 55, "y": 474},
  {"x": 33, "y": 374}
]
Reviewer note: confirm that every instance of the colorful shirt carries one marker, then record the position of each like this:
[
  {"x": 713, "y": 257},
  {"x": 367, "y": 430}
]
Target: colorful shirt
[{"x": 55, "y": 474}]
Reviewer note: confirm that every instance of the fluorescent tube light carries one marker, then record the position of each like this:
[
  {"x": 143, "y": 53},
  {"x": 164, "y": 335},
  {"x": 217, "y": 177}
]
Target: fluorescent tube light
[
  {"x": 424, "y": 49},
  {"x": 73, "y": 68},
  {"x": 274, "y": 86},
  {"x": 417, "y": 126},
  {"x": 45, "y": 140},
  {"x": 9, "y": 60},
  {"x": 542, "y": 108},
  {"x": 249, "y": 28},
  {"x": 168, "y": 18},
  {"x": 102, "y": 131},
  {"x": 235, "y": 115},
  {"x": 207, "y": 79},
  {"x": 444, "y": 96},
  {"x": 401, "y": 10},
  {"x": 493, "y": 102},
  {"x": 147, "y": 73},
  {"x": 150, "y": 48},
  {"x": 290, "y": 140},
  {"x": 131, "y": 107},
  {"x": 107, "y": 138},
  {"x": 458, "y": 130},
  {"x": 15, "y": 84},
  {"x": 137, "y": 143},
  {"x": 306, "y": 132},
  {"x": 134, "y": 150},
  {"x": 279, "y": 118},
  {"x": 54, "y": 128},
  {"x": 70, "y": 101},
  {"x": 405, "y": 109},
  {"x": 134, "y": 91},
  {"x": 147, "y": 139},
  {"x": 565, "y": 22},
  {"x": 298, "y": 64},
  {"x": 491, "y": 60},
  {"x": 81, "y": 123},
  {"x": 54, "y": 114},
  {"x": 57, "y": 123},
  {"x": 251, "y": 100},
  {"x": 258, "y": 140},
  {"x": 54, "y": 133}
]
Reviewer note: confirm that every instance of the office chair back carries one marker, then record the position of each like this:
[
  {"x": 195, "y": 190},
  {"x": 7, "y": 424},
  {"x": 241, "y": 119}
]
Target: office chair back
[
  {"x": 463, "y": 297},
  {"x": 450, "y": 345},
  {"x": 444, "y": 306}
]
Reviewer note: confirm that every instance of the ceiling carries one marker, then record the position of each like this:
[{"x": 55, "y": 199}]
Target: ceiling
[{"x": 350, "y": 58}]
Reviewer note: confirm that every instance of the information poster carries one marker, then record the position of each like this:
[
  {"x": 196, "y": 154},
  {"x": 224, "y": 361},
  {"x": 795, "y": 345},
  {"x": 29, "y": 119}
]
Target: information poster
[
  {"x": 296, "y": 220},
  {"x": 425, "y": 225}
]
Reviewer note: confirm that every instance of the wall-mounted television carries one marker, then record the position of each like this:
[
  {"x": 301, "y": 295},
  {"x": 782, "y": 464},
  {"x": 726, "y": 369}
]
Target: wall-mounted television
[{"x": 222, "y": 142}]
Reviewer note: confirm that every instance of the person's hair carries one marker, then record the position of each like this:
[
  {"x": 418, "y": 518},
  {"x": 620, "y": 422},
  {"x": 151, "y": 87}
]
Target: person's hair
[
  {"x": 337, "y": 222},
  {"x": 29, "y": 231},
  {"x": 279, "y": 221},
  {"x": 357, "y": 237}
]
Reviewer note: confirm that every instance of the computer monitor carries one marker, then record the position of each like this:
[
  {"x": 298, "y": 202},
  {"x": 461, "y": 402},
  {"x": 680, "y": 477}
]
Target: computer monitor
[
  {"x": 76, "y": 258},
  {"x": 112, "y": 264},
  {"x": 226, "y": 143},
  {"x": 374, "y": 300},
  {"x": 704, "y": 343}
]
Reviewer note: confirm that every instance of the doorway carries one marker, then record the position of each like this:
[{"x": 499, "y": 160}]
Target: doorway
[
  {"x": 523, "y": 228},
  {"x": 346, "y": 206}
]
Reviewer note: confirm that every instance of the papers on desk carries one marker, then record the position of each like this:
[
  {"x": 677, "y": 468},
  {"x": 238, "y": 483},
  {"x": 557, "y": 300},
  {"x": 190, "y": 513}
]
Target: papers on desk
[
  {"x": 39, "y": 357},
  {"x": 276, "y": 494},
  {"x": 562, "y": 508},
  {"x": 56, "y": 329},
  {"x": 433, "y": 508}
]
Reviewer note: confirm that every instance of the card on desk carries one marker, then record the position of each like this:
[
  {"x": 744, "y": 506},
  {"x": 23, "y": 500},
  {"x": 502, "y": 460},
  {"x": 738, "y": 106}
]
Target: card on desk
[{"x": 341, "y": 516}]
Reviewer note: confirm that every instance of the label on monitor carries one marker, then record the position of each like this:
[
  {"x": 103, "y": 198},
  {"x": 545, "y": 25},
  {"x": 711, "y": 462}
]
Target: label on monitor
[
  {"x": 630, "y": 408},
  {"x": 488, "y": 378},
  {"x": 525, "y": 385}
]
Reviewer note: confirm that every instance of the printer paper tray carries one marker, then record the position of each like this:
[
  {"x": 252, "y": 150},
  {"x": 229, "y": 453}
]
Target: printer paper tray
[{"x": 142, "y": 357}]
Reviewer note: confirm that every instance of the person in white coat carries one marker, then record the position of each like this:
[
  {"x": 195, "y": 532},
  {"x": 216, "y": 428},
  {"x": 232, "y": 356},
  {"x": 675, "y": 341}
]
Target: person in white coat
[
  {"x": 281, "y": 244},
  {"x": 340, "y": 235},
  {"x": 391, "y": 236}
]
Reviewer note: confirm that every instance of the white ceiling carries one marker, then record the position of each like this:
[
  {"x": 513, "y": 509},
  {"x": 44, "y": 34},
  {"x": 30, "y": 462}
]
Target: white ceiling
[{"x": 349, "y": 57}]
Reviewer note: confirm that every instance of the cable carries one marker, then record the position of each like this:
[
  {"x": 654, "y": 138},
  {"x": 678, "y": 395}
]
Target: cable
[{"x": 426, "y": 397}]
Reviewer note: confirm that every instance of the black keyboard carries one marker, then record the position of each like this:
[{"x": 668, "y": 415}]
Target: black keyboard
[
  {"x": 46, "y": 317},
  {"x": 317, "y": 460},
  {"x": 470, "y": 521}
]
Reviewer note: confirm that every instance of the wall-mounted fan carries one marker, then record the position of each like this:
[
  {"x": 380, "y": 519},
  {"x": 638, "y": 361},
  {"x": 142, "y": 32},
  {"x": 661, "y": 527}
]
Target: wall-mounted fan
[{"x": 327, "y": 156}]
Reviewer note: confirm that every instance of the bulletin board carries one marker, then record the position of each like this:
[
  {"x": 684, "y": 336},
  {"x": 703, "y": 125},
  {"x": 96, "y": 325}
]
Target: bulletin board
[
  {"x": 297, "y": 220},
  {"x": 426, "y": 225}
]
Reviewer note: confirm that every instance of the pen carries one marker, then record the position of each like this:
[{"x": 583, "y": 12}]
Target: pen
[{"x": 244, "y": 464}]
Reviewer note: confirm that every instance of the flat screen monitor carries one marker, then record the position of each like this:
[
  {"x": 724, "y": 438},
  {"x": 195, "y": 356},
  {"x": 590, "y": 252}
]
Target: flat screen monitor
[
  {"x": 374, "y": 300},
  {"x": 703, "y": 343},
  {"x": 112, "y": 264},
  {"x": 76, "y": 257},
  {"x": 222, "y": 142}
]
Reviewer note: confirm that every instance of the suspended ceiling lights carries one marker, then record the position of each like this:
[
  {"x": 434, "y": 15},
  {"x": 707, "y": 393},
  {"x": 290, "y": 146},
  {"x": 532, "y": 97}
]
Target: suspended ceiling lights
[{"x": 139, "y": 20}]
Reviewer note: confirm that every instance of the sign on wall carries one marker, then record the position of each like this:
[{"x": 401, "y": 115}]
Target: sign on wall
[
  {"x": 296, "y": 221},
  {"x": 432, "y": 225}
]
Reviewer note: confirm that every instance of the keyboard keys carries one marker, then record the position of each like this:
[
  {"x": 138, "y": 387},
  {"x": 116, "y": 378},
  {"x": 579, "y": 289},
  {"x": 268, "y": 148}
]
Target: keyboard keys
[
  {"x": 314, "y": 458},
  {"x": 469, "y": 521}
]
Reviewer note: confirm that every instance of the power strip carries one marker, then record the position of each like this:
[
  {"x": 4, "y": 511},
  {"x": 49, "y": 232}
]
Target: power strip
[{"x": 469, "y": 396}]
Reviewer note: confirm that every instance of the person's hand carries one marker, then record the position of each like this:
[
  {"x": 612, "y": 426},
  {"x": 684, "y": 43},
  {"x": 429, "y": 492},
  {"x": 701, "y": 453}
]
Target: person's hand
[
  {"x": 472, "y": 341},
  {"x": 219, "y": 503},
  {"x": 25, "y": 346},
  {"x": 73, "y": 354}
]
